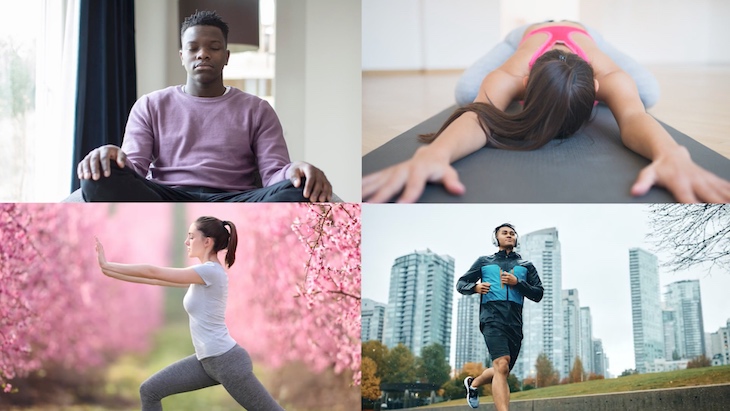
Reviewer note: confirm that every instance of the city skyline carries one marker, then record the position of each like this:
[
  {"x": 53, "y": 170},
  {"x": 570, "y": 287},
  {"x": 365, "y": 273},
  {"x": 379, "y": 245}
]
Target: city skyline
[{"x": 595, "y": 242}]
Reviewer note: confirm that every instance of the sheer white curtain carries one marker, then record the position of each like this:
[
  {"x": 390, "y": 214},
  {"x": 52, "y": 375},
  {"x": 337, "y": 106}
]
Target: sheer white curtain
[
  {"x": 39, "y": 49},
  {"x": 55, "y": 102}
]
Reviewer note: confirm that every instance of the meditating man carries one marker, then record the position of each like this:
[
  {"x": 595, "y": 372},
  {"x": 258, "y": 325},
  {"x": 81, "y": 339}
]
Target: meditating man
[{"x": 201, "y": 141}]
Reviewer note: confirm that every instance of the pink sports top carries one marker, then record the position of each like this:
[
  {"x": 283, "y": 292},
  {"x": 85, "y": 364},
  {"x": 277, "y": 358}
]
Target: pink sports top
[{"x": 557, "y": 34}]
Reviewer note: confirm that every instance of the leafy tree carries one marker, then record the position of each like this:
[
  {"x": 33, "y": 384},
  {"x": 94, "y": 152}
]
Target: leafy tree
[
  {"x": 18, "y": 86},
  {"x": 695, "y": 234},
  {"x": 376, "y": 351},
  {"x": 400, "y": 365},
  {"x": 370, "y": 384},
  {"x": 699, "y": 362},
  {"x": 576, "y": 374},
  {"x": 546, "y": 374},
  {"x": 528, "y": 384},
  {"x": 473, "y": 368},
  {"x": 629, "y": 371},
  {"x": 432, "y": 366}
]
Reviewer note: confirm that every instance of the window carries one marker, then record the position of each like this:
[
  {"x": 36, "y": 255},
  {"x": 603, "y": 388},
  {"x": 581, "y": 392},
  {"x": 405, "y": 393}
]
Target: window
[{"x": 37, "y": 94}]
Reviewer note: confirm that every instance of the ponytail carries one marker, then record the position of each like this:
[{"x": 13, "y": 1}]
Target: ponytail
[{"x": 232, "y": 243}]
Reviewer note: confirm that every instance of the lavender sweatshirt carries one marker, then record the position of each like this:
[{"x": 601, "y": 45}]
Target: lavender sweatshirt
[{"x": 175, "y": 139}]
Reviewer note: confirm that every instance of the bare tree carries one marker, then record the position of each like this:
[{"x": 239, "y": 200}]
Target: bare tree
[{"x": 692, "y": 234}]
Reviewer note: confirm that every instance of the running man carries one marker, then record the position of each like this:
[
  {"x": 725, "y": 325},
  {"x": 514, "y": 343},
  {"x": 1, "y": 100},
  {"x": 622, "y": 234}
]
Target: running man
[{"x": 503, "y": 279}]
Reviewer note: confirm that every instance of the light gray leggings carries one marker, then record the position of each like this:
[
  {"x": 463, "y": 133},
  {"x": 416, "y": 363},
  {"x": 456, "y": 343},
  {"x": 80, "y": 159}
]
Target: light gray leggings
[
  {"x": 469, "y": 83},
  {"x": 232, "y": 369}
]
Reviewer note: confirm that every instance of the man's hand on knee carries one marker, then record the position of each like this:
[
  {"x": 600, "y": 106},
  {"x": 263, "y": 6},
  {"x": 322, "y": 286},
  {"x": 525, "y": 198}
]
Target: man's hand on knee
[{"x": 97, "y": 162}]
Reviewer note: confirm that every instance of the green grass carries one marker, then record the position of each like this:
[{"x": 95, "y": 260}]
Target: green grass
[{"x": 639, "y": 382}]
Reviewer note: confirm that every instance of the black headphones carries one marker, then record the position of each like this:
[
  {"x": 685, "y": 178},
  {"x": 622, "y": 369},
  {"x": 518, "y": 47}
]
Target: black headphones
[{"x": 494, "y": 234}]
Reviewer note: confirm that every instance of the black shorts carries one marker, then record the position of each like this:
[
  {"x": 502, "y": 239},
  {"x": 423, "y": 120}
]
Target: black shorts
[{"x": 499, "y": 344}]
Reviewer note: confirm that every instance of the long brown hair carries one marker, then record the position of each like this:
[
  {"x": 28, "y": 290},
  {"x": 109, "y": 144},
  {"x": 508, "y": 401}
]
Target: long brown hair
[
  {"x": 559, "y": 99},
  {"x": 222, "y": 239}
]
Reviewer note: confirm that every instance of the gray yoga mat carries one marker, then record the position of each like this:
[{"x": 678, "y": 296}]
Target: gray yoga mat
[{"x": 593, "y": 166}]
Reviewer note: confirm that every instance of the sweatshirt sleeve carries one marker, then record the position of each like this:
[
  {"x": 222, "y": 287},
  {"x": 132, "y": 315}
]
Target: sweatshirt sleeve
[
  {"x": 468, "y": 281},
  {"x": 269, "y": 146},
  {"x": 139, "y": 139},
  {"x": 532, "y": 286}
]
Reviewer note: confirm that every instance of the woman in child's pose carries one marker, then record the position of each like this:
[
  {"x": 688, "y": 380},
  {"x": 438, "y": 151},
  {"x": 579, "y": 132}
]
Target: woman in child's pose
[{"x": 559, "y": 70}]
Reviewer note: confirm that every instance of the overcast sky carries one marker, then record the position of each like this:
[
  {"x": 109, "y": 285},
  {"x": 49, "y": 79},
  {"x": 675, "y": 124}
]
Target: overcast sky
[{"x": 595, "y": 242}]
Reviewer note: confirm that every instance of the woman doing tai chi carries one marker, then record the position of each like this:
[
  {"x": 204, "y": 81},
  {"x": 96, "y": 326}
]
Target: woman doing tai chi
[
  {"x": 560, "y": 70},
  {"x": 218, "y": 359}
]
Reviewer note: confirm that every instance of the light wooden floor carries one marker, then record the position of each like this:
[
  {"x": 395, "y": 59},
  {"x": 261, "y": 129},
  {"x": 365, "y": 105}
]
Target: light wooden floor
[{"x": 695, "y": 100}]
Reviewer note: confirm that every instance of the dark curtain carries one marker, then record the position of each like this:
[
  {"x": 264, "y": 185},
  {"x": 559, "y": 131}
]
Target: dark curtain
[{"x": 107, "y": 78}]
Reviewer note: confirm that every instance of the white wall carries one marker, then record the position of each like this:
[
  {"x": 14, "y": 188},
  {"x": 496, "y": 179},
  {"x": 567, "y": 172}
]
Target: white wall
[
  {"x": 157, "y": 33},
  {"x": 664, "y": 31},
  {"x": 427, "y": 34},
  {"x": 318, "y": 87},
  {"x": 439, "y": 34}
]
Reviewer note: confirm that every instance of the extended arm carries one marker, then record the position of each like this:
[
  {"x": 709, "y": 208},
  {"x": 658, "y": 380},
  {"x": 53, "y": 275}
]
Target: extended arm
[
  {"x": 139, "y": 280},
  {"x": 150, "y": 274},
  {"x": 145, "y": 273},
  {"x": 432, "y": 163},
  {"x": 532, "y": 286},
  {"x": 671, "y": 165}
]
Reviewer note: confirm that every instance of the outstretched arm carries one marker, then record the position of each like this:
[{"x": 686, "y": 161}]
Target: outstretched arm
[
  {"x": 671, "y": 166},
  {"x": 145, "y": 273},
  {"x": 140, "y": 280},
  {"x": 432, "y": 163}
]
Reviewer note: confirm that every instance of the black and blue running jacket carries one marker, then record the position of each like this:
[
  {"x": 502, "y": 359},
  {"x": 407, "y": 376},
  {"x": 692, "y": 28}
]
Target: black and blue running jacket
[{"x": 501, "y": 307}]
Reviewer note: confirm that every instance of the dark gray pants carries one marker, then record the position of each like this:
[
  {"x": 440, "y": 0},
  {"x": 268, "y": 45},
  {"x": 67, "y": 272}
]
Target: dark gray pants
[
  {"x": 233, "y": 370},
  {"x": 125, "y": 185}
]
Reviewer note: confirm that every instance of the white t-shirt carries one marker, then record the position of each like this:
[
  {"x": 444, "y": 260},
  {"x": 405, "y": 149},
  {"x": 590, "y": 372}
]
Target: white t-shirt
[{"x": 206, "y": 306}]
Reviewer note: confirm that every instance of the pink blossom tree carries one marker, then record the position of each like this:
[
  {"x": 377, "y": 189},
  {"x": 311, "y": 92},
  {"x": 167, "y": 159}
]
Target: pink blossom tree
[{"x": 56, "y": 307}]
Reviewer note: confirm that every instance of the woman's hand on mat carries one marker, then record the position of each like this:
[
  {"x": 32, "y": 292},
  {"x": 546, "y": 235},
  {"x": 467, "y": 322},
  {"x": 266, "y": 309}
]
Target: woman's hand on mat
[
  {"x": 317, "y": 187},
  {"x": 482, "y": 288},
  {"x": 411, "y": 177},
  {"x": 100, "y": 253},
  {"x": 688, "y": 182},
  {"x": 97, "y": 162}
]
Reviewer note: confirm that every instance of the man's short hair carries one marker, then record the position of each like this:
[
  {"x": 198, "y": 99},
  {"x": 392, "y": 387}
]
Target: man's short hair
[{"x": 205, "y": 18}]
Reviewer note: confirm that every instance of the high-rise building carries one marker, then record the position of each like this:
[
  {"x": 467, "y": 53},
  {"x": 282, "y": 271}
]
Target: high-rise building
[
  {"x": 671, "y": 335},
  {"x": 420, "y": 302},
  {"x": 571, "y": 321},
  {"x": 720, "y": 346},
  {"x": 646, "y": 311},
  {"x": 470, "y": 346},
  {"x": 543, "y": 321},
  {"x": 586, "y": 340},
  {"x": 373, "y": 319},
  {"x": 683, "y": 297},
  {"x": 600, "y": 359}
]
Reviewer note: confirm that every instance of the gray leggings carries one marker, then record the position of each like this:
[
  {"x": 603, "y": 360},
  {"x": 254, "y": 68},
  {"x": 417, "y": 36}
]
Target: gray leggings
[
  {"x": 469, "y": 83},
  {"x": 232, "y": 369}
]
